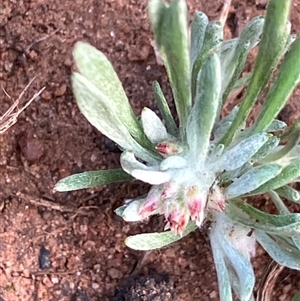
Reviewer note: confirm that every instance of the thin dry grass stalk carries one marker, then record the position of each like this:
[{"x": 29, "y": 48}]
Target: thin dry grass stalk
[
  {"x": 266, "y": 285},
  {"x": 225, "y": 12},
  {"x": 10, "y": 117}
]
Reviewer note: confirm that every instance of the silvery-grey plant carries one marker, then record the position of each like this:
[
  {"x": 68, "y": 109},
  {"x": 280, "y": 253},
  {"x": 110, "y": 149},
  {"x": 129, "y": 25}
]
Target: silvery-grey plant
[{"x": 205, "y": 167}]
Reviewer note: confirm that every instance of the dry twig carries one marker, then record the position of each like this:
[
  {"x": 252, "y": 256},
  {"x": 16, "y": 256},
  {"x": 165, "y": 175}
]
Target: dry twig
[
  {"x": 40, "y": 40},
  {"x": 225, "y": 12},
  {"x": 10, "y": 117},
  {"x": 55, "y": 206}
]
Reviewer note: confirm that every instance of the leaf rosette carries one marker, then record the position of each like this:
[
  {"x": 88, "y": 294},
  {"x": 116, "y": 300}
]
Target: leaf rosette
[{"x": 205, "y": 167}]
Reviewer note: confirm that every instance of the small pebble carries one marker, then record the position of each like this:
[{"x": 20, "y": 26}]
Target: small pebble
[
  {"x": 93, "y": 157},
  {"x": 46, "y": 95},
  {"x": 31, "y": 147},
  {"x": 32, "y": 54},
  {"x": 114, "y": 273},
  {"x": 26, "y": 273},
  {"x": 287, "y": 288},
  {"x": 55, "y": 280},
  {"x": 8, "y": 66},
  {"x": 47, "y": 282},
  {"x": 97, "y": 267},
  {"x": 283, "y": 297},
  {"x": 61, "y": 90}
]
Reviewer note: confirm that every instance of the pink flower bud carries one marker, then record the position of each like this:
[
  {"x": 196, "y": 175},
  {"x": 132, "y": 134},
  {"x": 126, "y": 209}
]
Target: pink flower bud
[
  {"x": 169, "y": 148},
  {"x": 196, "y": 203},
  {"x": 170, "y": 190},
  {"x": 151, "y": 203},
  {"x": 177, "y": 220}
]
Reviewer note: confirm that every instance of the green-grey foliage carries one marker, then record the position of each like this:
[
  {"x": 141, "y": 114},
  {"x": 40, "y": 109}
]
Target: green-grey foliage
[{"x": 206, "y": 167}]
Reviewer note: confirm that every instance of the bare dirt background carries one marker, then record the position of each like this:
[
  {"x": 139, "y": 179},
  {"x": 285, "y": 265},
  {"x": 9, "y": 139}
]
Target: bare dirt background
[{"x": 75, "y": 251}]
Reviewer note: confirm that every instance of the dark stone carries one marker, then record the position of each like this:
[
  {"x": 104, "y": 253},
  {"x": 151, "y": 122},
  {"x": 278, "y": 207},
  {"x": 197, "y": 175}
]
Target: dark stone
[
  {"x": 146, "y": 288},
  {"x": 80, "y": 296},
  {"x": 44, "y": 259}
]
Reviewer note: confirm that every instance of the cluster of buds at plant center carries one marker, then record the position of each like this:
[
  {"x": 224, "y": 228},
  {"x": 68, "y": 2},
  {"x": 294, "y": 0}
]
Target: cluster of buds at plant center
[
  {"x": 181, "y": 191},
  {"x": 178, "y": 202}
]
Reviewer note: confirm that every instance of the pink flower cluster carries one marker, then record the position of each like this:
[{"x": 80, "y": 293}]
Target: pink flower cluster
[{"x": 179, "y": 203}]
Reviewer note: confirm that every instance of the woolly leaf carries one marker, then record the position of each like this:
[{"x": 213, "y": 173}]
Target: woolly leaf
[
  {"x": 97, "y": 69},
  {"x": 206, "y": 105},
  {"x": 90, "y": 179},
  {"x": 151, "y": 241},
  {"x": 281, "y": 255},
  {"x": 252, "y": 179},
  {"x": 241, "y": 153},
  {"x": 173, "y": 46},
  {"x": 153, "y": 127}
]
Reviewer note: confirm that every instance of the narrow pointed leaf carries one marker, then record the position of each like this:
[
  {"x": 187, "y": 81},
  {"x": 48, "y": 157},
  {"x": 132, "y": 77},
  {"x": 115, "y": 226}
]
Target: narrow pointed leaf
[
  {"x": 242, "y": 268},
  {"x": 287, "y": 175},
  {"x": 221, "y": 126},
  {"x": 212, "y": 42},
  {"x": 170, "y": 27},
  {"x": 231, "y": 239},
  {"x": 152, "y": 241},
  {"x": 222, "y": 272},
  {"x": 267, "y": 148},
  {"x": 198, "y": 28},
  {"x": 291, "y": 130},
  {"x": 276, "y": 125},
  {"x": 242, "y": 152},
  {"x": 275, "y": 29},
  {"x": 204, "y": 111},
  {"x": 287, "y": 79},
  {"x": 242, "y": 82},
  {"x": 284, "y": 151},
  {"x": 252, "y": 179},
  {"x": 275, "y": 224},
  {"x": 278, "y": 253},
  {"x": 249, "y": 38},
  {"x": 282, "y": 209},
  {"x": 231, "y": 79},
  {"x": 289, "y": 193},
  {"x": 90, "y": 179},
  {"x": 227, "y": 51},
  {"x": 164, "y": 109},
  {"x": 272, "y": 219}
]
